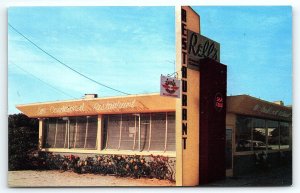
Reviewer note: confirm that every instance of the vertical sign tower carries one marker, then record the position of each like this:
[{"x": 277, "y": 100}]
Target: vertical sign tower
[
  {"x": 200, "y": 113},
  {"x": 187, "y": 109}
]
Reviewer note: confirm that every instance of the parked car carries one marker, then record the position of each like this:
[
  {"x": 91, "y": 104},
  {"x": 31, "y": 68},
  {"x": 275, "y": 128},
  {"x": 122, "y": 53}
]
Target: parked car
[{"x": 245, "y": 145}]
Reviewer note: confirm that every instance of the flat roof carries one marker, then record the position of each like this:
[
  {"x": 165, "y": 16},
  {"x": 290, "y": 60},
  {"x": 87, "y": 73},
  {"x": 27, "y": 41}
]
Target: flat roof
[
  {"x": 93, "y": 106},
  {"x": 251, "y": 106},
  {"x": 146, "y": 103}
]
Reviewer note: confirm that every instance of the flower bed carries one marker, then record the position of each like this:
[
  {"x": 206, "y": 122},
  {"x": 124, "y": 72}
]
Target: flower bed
[{"x": 136, "y": 166}]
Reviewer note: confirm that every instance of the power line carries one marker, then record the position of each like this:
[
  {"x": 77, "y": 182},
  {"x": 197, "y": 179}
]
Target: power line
[
  {"x": 50, "y": 55},
  {"x": 87, "y": 102},
  {"x": 41, "y": 80}
]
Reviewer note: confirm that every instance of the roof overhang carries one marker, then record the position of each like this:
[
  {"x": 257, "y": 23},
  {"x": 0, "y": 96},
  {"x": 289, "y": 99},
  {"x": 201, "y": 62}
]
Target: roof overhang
[
  {"x": 250, "y": 106},
  {"x": 112, "y": 105}
]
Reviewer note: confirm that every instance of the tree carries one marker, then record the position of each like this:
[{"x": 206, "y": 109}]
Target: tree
[{"x": 22, "y": 139}]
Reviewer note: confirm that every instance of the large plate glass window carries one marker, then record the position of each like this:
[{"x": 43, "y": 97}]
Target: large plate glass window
[
  {"x": 273, "y": 135},
  {"x": 284, "y": 135},
  {"x": 140, "y": 132},
  {"x": 70, "y": 132},
  {"x": 243, "y": 134},
  {"x": 259, "y": 134}
]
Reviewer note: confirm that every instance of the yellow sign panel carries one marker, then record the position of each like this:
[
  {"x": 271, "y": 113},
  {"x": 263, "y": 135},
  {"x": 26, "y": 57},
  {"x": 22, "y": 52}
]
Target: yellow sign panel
[
  {"x": 127, "y": 104},
  {"x": 187, "y": 109}
]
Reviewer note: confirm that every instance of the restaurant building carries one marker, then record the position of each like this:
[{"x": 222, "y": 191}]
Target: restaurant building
[
  {"x": 145, "y": 125},
  {"x": 209, "y": 134},
  {"x": 137, "y": 124}
]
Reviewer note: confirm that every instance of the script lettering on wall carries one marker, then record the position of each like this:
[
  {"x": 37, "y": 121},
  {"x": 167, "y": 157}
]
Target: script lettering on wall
[
  {"x": 200, "y": 47},
  {"x": 269, "y": 110},
  {"x": 92, "y": 107}
]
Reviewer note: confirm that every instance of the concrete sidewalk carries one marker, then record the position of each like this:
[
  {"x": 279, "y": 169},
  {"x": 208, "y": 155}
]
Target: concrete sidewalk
[
  {"x": 54, "y": 178},
  {"x": 276, "y": 177}
]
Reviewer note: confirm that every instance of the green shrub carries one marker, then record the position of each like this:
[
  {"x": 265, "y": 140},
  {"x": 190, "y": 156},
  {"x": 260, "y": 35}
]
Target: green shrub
[
  {"x": 22, "y": 140},
  {"x": 136, "y": 166}
]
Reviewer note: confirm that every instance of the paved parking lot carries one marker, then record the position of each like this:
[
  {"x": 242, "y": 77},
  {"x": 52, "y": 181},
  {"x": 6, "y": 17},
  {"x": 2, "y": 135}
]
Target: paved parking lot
[{"x": 281, "y": 176}]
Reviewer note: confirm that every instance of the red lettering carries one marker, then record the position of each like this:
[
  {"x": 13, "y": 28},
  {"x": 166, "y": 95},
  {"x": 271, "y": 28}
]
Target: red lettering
[{"x": 219, "y": 105}]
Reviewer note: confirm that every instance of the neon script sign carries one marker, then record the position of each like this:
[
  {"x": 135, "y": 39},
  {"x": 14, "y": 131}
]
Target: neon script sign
[
  {"x": 200, "y": 47},
  {"x": 84, "y": 106}
]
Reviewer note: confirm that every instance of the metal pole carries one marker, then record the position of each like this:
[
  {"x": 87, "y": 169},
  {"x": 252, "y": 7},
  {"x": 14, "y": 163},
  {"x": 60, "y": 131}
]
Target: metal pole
[
  {"x": 107, "y": 128},
  {"x": 76, "y": 130},
  {"x": 86, "y": 131},
  {"x": 120, "y": 137},
  {"x": 55, "y": 132},
  {"x": 166, "y": 132},
  {"x": 68, "y": 133},
  {"x": 139, "y": 132},
  {"x": 134, "y": 137},
  {"x": 150, "y": 132}
]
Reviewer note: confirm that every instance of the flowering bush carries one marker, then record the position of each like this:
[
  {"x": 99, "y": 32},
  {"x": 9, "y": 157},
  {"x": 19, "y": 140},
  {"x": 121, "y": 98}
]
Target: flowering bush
[
  {"x": 162, "y": 167},
  {"x": 136, "y": 166}
]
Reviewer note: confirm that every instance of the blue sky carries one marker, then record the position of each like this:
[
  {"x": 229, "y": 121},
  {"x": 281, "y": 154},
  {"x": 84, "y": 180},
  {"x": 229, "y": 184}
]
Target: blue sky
[
  {"x": 128, "y": 48},
  {"x": 256, "y": 46}
]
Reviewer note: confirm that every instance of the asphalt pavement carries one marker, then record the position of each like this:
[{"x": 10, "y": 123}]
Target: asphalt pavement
[{"x": 281, "y": 176}]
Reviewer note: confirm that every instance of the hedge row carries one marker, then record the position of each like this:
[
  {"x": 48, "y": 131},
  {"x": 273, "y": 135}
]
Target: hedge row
[{"x": 136, "y": 166}]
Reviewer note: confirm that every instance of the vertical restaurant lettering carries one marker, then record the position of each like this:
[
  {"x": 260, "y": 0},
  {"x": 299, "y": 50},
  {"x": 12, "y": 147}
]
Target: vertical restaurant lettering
[{"x": 184, "y": 33}]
